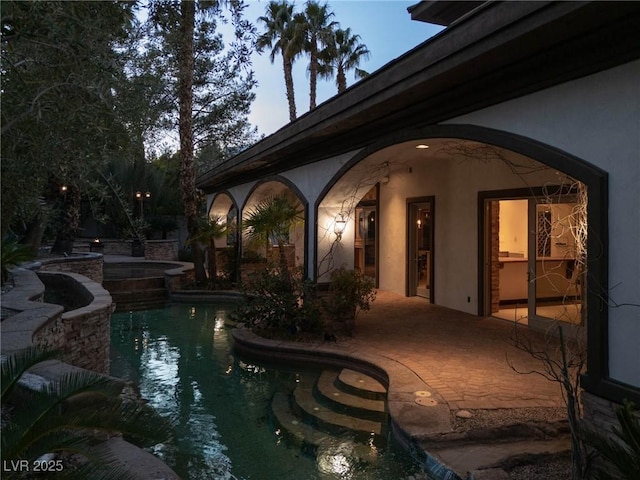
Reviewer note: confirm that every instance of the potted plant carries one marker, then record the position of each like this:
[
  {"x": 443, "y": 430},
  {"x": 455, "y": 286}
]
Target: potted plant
[{"x": 349, "y": 292}]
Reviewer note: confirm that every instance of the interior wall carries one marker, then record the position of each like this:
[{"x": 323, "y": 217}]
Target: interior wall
[{"x": 513, "y": 227}]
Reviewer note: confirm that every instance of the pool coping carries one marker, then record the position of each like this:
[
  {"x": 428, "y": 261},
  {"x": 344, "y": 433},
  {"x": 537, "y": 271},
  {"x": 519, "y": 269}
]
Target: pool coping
[{"x": 410, "y": 421}]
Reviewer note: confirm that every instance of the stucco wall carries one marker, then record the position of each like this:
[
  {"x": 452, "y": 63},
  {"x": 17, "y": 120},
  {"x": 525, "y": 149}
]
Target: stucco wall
[{"x": 597, "y": 119}]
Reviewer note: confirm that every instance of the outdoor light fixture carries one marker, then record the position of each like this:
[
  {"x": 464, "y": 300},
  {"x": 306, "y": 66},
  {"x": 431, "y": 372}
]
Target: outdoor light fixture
[
  {"x": 339, "y": 226},
  {"x": 63, "y": 188},
  {"x": 142, "y": 197}
]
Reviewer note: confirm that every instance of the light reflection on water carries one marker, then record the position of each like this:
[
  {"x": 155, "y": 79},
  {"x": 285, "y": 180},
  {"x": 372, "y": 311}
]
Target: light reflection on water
[{"x": 181, "y": 358}]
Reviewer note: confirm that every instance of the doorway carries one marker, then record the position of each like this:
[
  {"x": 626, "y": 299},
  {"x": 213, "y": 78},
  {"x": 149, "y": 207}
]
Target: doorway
[
  {"x": 366, "y": 235},
  {"x": 420, "y": 251},
  {"x": 531, "y": 271}
]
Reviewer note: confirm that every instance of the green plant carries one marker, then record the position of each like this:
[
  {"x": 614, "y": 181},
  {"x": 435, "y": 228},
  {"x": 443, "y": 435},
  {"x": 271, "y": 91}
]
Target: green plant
[
  {"x": 12, "y": 254},
  {"x": 620, "y": 452},
  {"x": 280, "y": 305},
  {"x": 64, "y": 417},
  {"x": 271, "y": 220},
  {"x": 209, "y": 230},
  {"x": 349, "y": 292}
]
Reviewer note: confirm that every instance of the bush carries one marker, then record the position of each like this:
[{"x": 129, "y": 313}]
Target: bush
[
  {"x": 13, "y": 253},
  {"x": 280, "y": 304},
  {"x": 349, "y": 293}
]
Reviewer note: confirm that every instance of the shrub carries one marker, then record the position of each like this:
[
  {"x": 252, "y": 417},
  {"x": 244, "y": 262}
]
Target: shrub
[
  {"x": 280, "y": 304},
  {"x": 349, "y": 292},
  {"x": 13, "y": 253}
]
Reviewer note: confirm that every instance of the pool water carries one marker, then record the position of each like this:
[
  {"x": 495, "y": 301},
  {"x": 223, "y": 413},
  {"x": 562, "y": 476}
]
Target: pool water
[{"x": 181, "y": 358}]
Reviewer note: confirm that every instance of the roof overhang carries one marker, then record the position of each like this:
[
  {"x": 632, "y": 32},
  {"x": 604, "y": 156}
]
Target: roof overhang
[
  {"x": 500, "y": 51},
  {"x": 441, "y": 12}
]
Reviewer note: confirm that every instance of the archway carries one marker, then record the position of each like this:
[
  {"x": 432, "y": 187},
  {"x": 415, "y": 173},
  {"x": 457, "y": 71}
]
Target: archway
[
  {"x": 296, "y": 246},
  {"x": 449, "y": 147}
]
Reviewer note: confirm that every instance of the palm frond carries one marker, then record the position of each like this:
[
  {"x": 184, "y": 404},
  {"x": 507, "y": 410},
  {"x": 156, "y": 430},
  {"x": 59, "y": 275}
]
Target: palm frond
[
  {"x": 16, "y": 364},
  {"x": 620, "y": 452}
]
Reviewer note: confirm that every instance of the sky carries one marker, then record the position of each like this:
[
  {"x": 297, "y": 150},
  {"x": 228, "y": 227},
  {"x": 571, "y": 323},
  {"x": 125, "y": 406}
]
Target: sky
[{"x": 384, "y": 26}]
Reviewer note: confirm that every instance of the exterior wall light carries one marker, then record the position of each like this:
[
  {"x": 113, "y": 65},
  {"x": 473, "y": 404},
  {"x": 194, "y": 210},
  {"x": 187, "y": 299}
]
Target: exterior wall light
[{"x": 339, "y": 226}]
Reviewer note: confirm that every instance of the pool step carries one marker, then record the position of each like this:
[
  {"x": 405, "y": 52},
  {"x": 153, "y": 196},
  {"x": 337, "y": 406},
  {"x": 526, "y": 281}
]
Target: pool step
[
  {"x": 320, "y": 409},
  {"x": 361, "y": 385},
  {"x": 139, "y": 300},
  {"x": 311, "y": 438},
  {"x": 331, "y": 391}
]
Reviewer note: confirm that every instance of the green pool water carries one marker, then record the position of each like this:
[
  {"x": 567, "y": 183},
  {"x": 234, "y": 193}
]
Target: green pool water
[{"x": 182, "y": 359}]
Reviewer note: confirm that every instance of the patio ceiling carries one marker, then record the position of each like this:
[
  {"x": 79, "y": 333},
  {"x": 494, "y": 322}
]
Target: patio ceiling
[{"x": 499, "y": 51}]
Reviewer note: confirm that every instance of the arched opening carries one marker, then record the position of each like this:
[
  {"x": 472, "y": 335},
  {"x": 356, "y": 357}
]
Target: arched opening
[
  {"x": 224, "y": 211},
  {"x": 293, "y": 238},
  {"x": 462, "y": 167}
]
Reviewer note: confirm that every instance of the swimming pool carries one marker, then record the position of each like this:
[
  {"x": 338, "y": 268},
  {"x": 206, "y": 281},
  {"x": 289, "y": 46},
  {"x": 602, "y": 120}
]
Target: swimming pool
[{"x": 181, "y": 358}]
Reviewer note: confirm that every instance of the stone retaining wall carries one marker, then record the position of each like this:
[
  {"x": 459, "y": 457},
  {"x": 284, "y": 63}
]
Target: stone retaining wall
[
  {"x": 83, "y": 335},
  {"x": 161, "y": 250},
  {"x": 153, "y": 249},
  {"x": 86, "y": 264}
]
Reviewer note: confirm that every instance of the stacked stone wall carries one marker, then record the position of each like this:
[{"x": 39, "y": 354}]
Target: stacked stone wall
[
  {"x": 161, "y": 250},
  {"x": 88, "y": 265}
]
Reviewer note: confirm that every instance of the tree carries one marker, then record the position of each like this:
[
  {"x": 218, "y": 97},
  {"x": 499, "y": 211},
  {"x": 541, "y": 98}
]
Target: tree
[
  {"x": 271, "y": 220},
  {"x": 59, "y": 63},
  {"x": 316, "y": 28},
  {"x": 281, "y": 37},
  {"x": 211, "y": 92},
  {"x": 343, "y": 53}
]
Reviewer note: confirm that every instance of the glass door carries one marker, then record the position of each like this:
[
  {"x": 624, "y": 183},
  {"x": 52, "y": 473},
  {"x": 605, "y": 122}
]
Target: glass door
[
  {"x": 556, "y": 279},
  {"x": 420, "y": 252}
]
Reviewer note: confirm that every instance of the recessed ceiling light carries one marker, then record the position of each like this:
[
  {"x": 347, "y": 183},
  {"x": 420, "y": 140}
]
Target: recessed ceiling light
[{"x": 422, "y": 146}]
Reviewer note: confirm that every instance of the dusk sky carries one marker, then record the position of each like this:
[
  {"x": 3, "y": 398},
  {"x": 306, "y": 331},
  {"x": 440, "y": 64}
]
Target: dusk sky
[{"x": 384, "y": 26}]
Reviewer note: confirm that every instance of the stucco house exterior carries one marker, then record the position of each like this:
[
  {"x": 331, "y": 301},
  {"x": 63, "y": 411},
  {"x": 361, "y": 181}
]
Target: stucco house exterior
[{"x": 474, "y": 169}]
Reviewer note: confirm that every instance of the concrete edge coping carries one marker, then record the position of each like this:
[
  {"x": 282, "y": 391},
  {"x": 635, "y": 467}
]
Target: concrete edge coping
[
  {"x": 17, "y": 333},
  {"x": 74, "y": 257},
  {"x": 401, "y": 383}
]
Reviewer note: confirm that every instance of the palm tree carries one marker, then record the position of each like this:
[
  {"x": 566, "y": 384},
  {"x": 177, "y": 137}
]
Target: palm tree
[
  {"x": 64, "y": 417},
  {"x": 271, "y": 220},
  {"x": 314, "y": 23},
  {"x": 343, "y": 53},
  {"x": 212, "y": 229},
  {"x": 281, "y": 37}
]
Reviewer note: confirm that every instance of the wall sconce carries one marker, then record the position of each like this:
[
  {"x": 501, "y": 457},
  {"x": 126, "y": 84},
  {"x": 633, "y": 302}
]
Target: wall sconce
[{"x": 339, "y": 226}]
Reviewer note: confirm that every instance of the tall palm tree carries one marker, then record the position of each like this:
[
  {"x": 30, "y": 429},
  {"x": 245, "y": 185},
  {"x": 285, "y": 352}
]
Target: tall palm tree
[
  {"x": 281, "y": 37},
  {"x": 271, "y": 220},
  {"x": 316, "y": 26},
  {"x": 343, "y": 53}
]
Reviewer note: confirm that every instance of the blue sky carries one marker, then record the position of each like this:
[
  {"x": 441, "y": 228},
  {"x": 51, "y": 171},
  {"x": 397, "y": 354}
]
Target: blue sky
[{"x": 384, "y": 26}]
